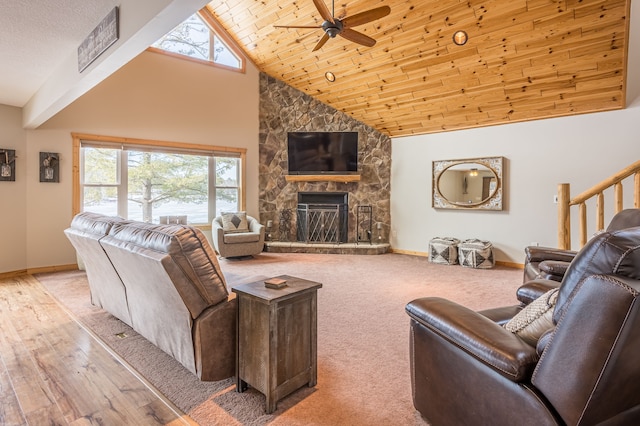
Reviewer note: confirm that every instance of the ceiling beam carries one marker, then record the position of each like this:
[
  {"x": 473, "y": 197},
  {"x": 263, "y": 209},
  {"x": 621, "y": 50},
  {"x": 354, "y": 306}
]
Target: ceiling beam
[{"x": 142, "y": 22}]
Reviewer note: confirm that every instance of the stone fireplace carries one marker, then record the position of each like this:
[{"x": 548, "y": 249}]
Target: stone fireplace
[{"x": 284, "y": 109}]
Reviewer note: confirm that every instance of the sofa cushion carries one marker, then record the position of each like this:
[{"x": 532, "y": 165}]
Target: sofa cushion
[
  {"x": 188, "y": 248},
  {"x": 242, "y": 237},
  {"x": 534, "y": 319},
  {"x": 94, "y": 223},
  {"x": 234, "y": 222}
]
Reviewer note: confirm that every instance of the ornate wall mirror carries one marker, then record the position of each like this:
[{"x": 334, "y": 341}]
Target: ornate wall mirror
[{"x": 472, "y": 183}]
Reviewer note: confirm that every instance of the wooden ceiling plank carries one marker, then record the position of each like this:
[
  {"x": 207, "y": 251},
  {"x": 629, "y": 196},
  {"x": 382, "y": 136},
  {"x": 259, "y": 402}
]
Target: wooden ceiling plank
[
  {"x": 584, "y": 68},
  {"x": 498, "y": 43},
  {"x": 596, "y": 50},
  {"x": 560, "y": 5},
  {"x": 486, "y": 78},
  {"x": 608, "y": 98},
  {"x": 555, "y": 57},
  {"x": 609, "y": 63},
  {"x": 436, "y": 12},
  {"x": 498, "y": 9},
  {"x": 597, "y": 7}
]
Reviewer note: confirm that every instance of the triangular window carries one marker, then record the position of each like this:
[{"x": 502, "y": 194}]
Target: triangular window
[{"x": 196, "y": 38}]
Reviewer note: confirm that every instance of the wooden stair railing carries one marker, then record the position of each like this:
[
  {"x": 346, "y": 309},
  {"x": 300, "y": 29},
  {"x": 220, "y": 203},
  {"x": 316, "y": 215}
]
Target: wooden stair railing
[{"x": 565, "y": 202}]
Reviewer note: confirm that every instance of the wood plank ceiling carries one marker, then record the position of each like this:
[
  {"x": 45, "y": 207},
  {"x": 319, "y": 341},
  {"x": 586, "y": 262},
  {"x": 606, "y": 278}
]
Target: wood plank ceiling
[{"x": 524, "y": 60}]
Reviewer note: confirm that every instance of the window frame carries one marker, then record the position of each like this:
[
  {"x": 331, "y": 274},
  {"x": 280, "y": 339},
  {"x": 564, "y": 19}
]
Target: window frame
[
  {"x": 215, "y": 30},
  {"x": 110, "y": 141}
]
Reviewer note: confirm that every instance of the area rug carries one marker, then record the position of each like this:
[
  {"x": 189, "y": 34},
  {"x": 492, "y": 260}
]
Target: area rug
[{"x": 363, "y": 337}]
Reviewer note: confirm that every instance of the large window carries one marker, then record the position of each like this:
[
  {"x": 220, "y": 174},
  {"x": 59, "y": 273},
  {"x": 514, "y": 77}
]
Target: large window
[
  {"x": 154, "y": 183},
  {"x": 201, "y": 38}
]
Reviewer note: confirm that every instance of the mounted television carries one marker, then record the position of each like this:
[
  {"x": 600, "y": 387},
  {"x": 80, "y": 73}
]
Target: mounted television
[{"x": 315, "y": 153}]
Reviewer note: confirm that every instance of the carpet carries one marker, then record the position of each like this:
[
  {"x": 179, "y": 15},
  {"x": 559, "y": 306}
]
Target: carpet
[{"x": 363, "y": 337}]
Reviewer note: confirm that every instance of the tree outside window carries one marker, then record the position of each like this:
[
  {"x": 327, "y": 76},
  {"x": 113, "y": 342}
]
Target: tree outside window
[
  {"x": 146, "y": 185},
  {"x": 194, "y": 38}
]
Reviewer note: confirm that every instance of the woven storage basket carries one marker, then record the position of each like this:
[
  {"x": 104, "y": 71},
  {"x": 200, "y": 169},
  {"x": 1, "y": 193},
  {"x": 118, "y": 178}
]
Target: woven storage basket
[
  {"x": 444, "y": 250},
  {"x": 476, "y": 254}
]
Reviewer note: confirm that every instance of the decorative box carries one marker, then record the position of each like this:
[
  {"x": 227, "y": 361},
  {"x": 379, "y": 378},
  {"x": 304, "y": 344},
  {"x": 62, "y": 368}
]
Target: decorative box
[
  {"x": 476, "y": 254},
  {"x": 444, "y": 250}
]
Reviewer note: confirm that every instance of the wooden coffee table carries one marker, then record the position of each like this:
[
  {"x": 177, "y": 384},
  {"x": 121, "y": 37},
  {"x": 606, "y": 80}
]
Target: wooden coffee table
[{"x": 277, "y": 338}]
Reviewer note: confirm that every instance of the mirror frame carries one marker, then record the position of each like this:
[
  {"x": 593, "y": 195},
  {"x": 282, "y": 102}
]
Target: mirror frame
[{"x": 494, "y": 202}]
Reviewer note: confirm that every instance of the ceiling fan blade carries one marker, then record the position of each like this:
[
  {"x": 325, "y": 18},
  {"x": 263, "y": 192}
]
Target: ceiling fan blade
[
  {"x": 297, "y": 26},
  {"x": 324, "y": 10},
  {"x": 366, "y": 16},
  {"x": 357, "y": 37},
  {"x": 322, "y": 41}
]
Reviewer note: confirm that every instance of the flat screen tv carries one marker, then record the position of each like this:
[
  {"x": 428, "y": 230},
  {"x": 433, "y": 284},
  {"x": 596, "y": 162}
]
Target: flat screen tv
[{"x": 315, "y": 153}]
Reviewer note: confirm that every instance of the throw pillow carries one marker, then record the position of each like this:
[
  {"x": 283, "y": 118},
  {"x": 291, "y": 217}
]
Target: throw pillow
[
  {"x": 234, "y": 222},
  {"x": 535, "y": 318}
]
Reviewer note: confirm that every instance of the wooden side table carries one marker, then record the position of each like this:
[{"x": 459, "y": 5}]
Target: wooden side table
[{"x": 277, "y": 338}]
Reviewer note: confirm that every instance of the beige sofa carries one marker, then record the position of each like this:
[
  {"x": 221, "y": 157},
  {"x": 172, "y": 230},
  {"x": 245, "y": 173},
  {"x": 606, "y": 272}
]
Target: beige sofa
[{"x": 166, "y": 283}]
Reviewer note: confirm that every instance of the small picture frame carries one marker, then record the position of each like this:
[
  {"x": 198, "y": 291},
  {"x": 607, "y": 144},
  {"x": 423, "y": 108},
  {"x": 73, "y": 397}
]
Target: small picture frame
[
  {"x": 49, "y": 167},
  {"x": 7, "y": 165}
]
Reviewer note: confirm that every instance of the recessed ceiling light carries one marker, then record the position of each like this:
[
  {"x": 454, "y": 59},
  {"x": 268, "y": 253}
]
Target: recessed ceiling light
[
  {"x": 460, "y": 38},
  {"x": 331, "y": 77}
]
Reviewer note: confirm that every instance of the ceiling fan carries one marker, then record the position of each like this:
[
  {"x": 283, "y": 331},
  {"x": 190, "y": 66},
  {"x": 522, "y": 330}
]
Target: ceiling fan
[{"x": 333, "y": 26}]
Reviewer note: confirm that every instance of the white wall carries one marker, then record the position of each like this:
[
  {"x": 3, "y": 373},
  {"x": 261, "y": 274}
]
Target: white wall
[
  {"x": 13, "y": 195},
  {"x": 581, "y": 150},
  {"x": 153, "y": 97}
]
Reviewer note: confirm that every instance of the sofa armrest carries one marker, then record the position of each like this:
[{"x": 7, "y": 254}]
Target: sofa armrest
[
  {"x": 531, "y": 290},
  {"x": 257, "y": 227},
  {"x": 539, "y": 254},
  {"x": 501, "y": 315},
  {"x": 216, "y": 226},
  {"x": 214, "y": 341},
  {"x": 477, "y": 335},
  {"x": 554, "y": 267}
]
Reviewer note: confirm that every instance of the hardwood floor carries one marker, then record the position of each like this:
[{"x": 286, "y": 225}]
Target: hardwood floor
[{"x": 55, "y": 372}]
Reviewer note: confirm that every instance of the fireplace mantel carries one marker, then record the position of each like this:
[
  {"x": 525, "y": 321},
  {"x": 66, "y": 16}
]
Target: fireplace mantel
[{"x": 322, "y": 178}]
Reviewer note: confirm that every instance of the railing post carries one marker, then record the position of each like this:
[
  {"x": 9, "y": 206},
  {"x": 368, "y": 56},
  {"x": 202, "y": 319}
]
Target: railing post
[
  {"x": 618, "y": 197},
  {"x": 564, "y": 217},
  {"x": 599, "y": 214},
  {"x": 636, "y": 190},
  {"x": 583, "y": 223}
]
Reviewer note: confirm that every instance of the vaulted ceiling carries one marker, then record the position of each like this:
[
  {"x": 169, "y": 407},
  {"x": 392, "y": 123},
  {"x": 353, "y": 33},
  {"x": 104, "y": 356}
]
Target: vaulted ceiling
[{"x": 524, "y": 59}]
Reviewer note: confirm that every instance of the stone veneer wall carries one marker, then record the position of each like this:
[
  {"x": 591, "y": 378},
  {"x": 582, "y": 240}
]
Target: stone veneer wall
[{"x": 285, "y": 109}]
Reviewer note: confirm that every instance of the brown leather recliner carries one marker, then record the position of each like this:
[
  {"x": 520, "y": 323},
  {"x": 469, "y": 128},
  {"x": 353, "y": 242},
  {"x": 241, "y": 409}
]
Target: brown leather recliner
[
  {"x": 468, "y": 369},
  {"x": 551, "y": 263}
]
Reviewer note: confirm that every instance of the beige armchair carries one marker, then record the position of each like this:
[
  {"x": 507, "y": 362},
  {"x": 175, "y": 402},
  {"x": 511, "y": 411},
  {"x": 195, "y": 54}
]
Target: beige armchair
[{"x": 235, "y": 238}]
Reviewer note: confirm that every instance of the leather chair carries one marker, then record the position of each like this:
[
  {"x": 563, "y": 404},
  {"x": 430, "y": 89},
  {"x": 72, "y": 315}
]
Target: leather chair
[
  {"x": 468, "y": 369},
  {"x": 238, "y": 244},
  {"x": 551, "y": 264}
]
